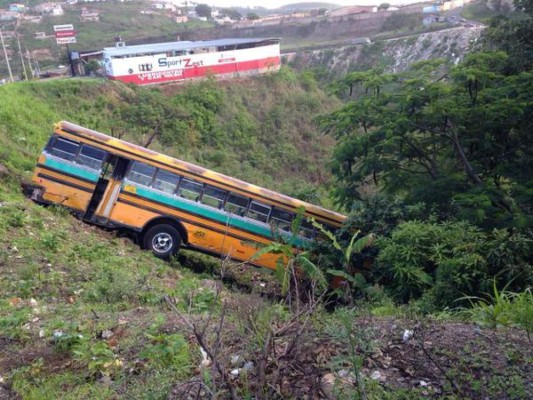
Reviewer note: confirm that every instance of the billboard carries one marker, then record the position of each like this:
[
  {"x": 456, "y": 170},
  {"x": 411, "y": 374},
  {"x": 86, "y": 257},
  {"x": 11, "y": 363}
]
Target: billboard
[
  {"x": 65, "y": 34},
  {"x": 66, "y": 40}
]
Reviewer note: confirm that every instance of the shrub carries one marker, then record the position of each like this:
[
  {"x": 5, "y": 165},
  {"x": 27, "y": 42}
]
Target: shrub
[{"x": 451, "y": 260}]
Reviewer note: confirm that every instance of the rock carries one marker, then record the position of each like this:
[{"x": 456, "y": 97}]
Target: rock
[
  {"x": 248, "y": 366},
  {"x": 106, "y": 334},
  {"x": 423, "y": 383},
  {"x": 42, "y": 333},
  {"x": 407, "y": 334},
  {"x": 343, "y": 373},
  {"x": 376, "y": 375},
  {"x": 327, "y": 384},
  {"x": 376, "y": 354},
  {"x": 235, "y": 360}
]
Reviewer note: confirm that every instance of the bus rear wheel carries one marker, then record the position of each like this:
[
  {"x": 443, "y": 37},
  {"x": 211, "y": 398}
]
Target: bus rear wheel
[{"x": 163, "y": 240}]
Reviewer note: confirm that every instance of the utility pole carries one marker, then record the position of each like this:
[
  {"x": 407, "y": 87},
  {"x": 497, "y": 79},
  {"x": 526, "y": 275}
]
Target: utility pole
[
  {"x": 5, "y": 54},
  {"x": 22, "y": 60}
]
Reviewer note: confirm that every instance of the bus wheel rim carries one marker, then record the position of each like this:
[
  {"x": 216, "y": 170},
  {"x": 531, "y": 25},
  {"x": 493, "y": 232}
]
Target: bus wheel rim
[{"x": 162, "y": 242}]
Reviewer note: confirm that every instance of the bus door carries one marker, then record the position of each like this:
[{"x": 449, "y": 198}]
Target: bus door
[{"x": 107, "y": 189}]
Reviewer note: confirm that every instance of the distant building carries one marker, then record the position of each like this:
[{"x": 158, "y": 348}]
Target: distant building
[
  {"x": 9, "y": 15},
  {"x": 53, "y": 9},
  {"x": 35, "y": 19},
  {"x": 17, "y": 7},
  {"x": 181, "y": 19},
  {"x": 163, "y": 6},
  {"x": 434, "y": 9},
  {"x": 88, "y": 15}
]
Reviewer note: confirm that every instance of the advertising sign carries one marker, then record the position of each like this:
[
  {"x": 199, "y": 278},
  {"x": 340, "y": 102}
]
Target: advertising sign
[
  {"x": 66, "y": 40},
  {"x": 66, "y": 27},
  {"x": 65, "y": 34}
]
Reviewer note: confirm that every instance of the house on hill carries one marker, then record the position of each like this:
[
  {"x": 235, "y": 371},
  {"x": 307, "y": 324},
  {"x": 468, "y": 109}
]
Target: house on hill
[
  {"x": 53, "y": 9},
  {"x": 8, "y": 15},
  {"x": 17, "y": 7},
  {"x": 88, "y": 15}
]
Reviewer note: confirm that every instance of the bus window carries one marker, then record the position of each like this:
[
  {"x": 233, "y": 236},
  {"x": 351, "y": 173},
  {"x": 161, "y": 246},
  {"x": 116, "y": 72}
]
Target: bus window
[
  {"x": 281, "y": 219},
  {"x": 166, "y": 181},
  {"x": 213, "y": 197},
  {"x": 141, "y": 173},
  {"x": 64, "y": 148},
  {"x": 259, "y": 212},
  {"x": 306, "y": 230},
  {"x": 190, "y": 190},
  {"x": 91, "y": 157},
  {"x": 236, "y": 204}
]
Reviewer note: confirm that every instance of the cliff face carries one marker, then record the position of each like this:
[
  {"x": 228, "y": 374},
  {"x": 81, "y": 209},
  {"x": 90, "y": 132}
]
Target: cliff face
[
  {"x": 395, "y": 55},
  {"x": 450, "y": 44}
]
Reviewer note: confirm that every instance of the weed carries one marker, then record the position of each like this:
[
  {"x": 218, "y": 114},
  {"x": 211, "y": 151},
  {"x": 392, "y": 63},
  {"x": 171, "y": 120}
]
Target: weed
[
  {"x": 12, "y": 324},
  {"x": 51, "y": 240},
  {"x": 492, "y": 311},
  {"x": 357, "y": 341},
  {"x": 98, "y": 357},
  {"x": 168, "y": 350},
  {"x": 195, "y": 298},
  {"x": 111, "y": 284},
  {"x": 521, "y": 313}
]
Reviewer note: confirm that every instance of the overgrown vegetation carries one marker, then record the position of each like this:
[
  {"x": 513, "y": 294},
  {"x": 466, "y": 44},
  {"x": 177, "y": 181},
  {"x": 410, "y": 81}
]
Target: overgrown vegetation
[
  {"x": 448, "y": 150},
  {"x": 435, "y": 259}
]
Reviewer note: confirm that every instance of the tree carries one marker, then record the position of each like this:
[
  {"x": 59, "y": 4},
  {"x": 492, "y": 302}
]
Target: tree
[
  {"x": 232, "y": 13},
  {"x": 384, "y": 6},
  {"x": 252, "y": 16},
  {"x": 453, "y": 137},
  {"x": 150, "y": 114},
  {"x": 203, "y": 10},
  {"x": 92, "y": 67},
  {"x": 513, "y": 36}
]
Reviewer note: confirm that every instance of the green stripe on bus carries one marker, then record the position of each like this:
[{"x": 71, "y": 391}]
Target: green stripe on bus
[
  {"x": 71, "y": 169},
  {"x": 213, "y": 214}
]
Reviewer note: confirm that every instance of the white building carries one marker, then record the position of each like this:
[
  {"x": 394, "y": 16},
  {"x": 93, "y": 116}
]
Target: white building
[{"x": 54, "y": 9}]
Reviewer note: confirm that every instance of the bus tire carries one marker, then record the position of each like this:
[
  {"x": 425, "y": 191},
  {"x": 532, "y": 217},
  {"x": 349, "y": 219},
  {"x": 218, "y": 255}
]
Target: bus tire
[{"x": 163, "y": 240}]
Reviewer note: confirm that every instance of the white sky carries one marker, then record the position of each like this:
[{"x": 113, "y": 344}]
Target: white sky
[{"x": 279, "y": 3}]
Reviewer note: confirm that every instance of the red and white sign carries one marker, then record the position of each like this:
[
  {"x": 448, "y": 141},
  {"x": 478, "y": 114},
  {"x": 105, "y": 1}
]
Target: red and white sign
[
  {"x": 61, "y": 34},
  {"x": 65, "y": 34},
  {"x": 66, "y": 40}
]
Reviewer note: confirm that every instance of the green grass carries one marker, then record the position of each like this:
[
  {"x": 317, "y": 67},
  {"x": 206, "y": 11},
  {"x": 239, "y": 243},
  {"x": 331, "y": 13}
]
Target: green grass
[{"x": 65, "y": 285}]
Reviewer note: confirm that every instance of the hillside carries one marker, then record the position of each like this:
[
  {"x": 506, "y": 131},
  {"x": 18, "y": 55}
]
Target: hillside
[
  {"x": 85, "y": 314},
  {"x": 396, "y": 54},
  {"x": 267, "y": 137}
]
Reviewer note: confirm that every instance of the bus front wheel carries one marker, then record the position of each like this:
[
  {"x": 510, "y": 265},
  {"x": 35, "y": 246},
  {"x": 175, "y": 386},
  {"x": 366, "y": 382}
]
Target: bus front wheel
[{"x": 163, "y": 240}]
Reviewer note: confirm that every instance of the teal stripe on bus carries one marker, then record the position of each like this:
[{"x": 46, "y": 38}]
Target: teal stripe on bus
[
  {"x": 71, "y": 169},
  {"x": 213, "y": 214}
]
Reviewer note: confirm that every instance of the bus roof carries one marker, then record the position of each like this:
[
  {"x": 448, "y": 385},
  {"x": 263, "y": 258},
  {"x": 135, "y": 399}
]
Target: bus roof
[
  {"x": 193, "y": 169},
  {"x": 183, "y": 45}
]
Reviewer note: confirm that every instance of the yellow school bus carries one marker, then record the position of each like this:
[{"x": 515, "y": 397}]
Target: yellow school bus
[{"x": 167, "y": 202}]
